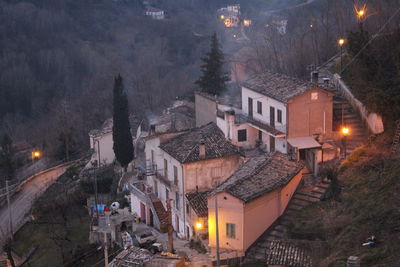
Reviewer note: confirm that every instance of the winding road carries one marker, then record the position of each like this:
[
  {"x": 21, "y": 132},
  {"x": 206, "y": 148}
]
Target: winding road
[{"x": 23, "y": 200}]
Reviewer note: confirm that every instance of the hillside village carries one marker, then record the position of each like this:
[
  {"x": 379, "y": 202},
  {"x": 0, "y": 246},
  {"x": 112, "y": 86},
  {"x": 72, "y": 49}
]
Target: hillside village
[
  {"x": 253, "y": 168},
  {"x": 257, "y": 156}
]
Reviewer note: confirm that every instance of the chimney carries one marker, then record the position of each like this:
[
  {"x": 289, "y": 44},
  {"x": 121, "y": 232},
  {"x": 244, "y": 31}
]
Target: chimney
[
  {"x": 314, "y": 77},
  {"x": 202, "y": 149},
  {"x": 152, "y": 129}
]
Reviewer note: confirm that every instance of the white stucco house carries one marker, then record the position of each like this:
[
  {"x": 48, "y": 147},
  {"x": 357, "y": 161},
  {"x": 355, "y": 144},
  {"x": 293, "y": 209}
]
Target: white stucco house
[
  {"x": 155, "y": 13},
  {"x": 101, "y": 140}
]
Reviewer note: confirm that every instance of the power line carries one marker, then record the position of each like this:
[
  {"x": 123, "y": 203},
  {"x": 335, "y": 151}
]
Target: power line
[
  {"x": 373, "y": 38},
  {"x": 118, "y": 251}
]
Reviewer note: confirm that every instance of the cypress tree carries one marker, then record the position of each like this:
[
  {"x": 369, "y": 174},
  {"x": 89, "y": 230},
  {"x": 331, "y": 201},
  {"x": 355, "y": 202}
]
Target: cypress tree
[
  {"x": 213, "y": 79},
  {"x": 122, "y": 137}
]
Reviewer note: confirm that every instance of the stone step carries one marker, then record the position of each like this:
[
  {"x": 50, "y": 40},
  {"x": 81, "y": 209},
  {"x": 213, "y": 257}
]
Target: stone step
[{"x": 310, "y": 194}]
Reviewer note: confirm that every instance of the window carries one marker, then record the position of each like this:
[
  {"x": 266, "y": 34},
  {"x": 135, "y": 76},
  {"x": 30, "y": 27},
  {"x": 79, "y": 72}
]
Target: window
[
  {"x": 165, "y": 168},
  {"x": 230, "y": 230},
  {"x": 155, "y": 188},
  {"x": 216, "y": 172},
  {"x": 242, "y": 135},
  {"x": 166, "y": 193},
  {"x": 314, "y": 96},
  {"x": 279, "y": 116},
  {"x": 259, "y": 135},
  {"x": 187, "y": 209},
  {"x": 259, "y": 107},
  {"x": 177, "y": 201},
  {"x": 152, "y": 157},
  {"x": 175, "y": 175}
]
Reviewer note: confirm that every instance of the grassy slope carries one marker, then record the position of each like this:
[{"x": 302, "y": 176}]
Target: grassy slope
[{"x": 368, "y": 205}]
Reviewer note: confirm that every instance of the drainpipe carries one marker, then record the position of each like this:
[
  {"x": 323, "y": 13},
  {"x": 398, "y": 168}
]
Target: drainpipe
[{"x": 183, "y": 203}]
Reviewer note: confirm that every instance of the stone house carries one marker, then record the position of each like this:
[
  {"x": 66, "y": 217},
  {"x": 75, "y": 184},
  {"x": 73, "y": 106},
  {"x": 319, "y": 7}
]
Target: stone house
[
  {"x": 196, "y": 160},
  {"x": 250, "y": 201},
  {"x": 281, "y": 113}
]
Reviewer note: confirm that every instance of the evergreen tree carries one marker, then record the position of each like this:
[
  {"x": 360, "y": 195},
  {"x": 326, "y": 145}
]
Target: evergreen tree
[
  {"x": 213, "y": 77},
  {"x": 122, "y": 137}
]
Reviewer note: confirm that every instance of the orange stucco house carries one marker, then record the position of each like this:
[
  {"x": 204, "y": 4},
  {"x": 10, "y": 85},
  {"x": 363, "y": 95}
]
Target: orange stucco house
[{"x": 250, "y": 201}]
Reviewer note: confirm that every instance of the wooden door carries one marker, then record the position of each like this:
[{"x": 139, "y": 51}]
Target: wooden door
[{"x": 272, "y": 116}]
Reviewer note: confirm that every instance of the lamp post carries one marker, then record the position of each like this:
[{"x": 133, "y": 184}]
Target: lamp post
[
  {"x": 341, "y": 43},
  {"x": 35, "y": 155},
  {"x": 345, "y": 132}
]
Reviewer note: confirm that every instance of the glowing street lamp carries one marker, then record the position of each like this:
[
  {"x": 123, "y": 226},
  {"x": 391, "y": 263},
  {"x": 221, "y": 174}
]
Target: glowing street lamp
[
  {"x": 222, "y": 17},
  {"x": 361, "y": 12},
  {"x": 35, "y": 155},
  {"x": 199, "y": 226},
  {"x": 345, "y": 132},
  {"x": 341, "y": 43}
]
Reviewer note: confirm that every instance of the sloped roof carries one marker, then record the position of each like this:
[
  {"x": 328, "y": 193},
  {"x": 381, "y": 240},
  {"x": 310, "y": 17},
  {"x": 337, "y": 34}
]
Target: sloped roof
[
  {"x": 286, "y": 253},
  {"x": 134, "y": 121},
  {"x": 259, "y": 176},
  {"x": 185, "y": 148},
  {"x": 277, "y": 86},
  {"x": 198, "y": 202}
]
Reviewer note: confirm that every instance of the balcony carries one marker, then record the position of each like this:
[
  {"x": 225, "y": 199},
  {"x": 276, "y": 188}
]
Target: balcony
[{"x": 276, "y": 131}]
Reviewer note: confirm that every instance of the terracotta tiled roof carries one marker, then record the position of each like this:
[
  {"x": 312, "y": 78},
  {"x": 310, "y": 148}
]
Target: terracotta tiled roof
[
  {"x": 198, "y": 202},
  {"x": 286, "y": 253},
  {"x": 259, "y": 176},
  {"x": 277, "y": 86},
  {"x": 134, "y": 122},
  {"x": 185, "y": 148}
]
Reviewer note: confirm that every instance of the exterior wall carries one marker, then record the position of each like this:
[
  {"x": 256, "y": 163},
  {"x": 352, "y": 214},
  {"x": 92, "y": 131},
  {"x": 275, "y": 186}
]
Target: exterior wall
[
  {"x": 206, "y": 109},
  {"x": 309, "y": 117},
  {"x": 267, "y": 102},
  {"x": 206, "y": 174},
  {"x": 372, "y": 120},
  {"x": 201, "y": 173},
  {"x": 251, "y": 219},
  {"x": 230, "y": 210},
  {"x": 261, "y": 213},
  {"x": 107, "y": 155}
]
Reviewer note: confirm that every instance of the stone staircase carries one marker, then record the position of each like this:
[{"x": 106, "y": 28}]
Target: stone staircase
[
  {"x": 278, "y": 231},
  {"x": 358, "y": 132},
  {"x": 160, "y": 211}
]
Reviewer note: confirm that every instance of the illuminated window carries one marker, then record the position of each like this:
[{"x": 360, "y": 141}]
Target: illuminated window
[
  {"x": 230, "y": 230},
  {"x": 314, "y": 96}
]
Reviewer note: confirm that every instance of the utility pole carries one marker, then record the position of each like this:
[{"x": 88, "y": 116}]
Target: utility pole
[
  {"x": 9, "y": 211},
  {"x": 105, "y": 250},
  {"x": 217, "y": 230},
  {"x": 170, "y": 228},
  {"x": 95, "y": 195}
]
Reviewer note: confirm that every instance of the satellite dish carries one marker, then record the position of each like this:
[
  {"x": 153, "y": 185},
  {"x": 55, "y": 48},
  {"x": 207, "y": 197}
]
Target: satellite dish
[{"x": 114, "y": 206}]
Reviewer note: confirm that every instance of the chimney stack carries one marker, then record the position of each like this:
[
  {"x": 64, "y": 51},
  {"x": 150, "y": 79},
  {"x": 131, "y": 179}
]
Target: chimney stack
[
  {"x": 314, "y": 77},
  {"x": 202, "y": 149},
  {"x": 152, "y": 129}
]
